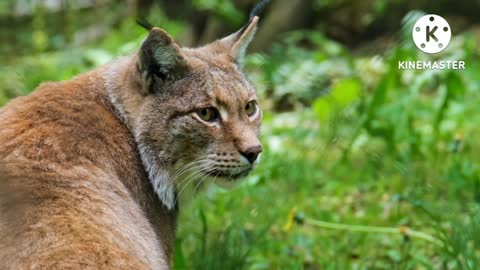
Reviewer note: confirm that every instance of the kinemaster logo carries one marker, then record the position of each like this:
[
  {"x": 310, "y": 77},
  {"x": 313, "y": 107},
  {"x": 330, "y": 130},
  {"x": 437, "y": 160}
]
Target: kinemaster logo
[{"x": 432, "y": 35}]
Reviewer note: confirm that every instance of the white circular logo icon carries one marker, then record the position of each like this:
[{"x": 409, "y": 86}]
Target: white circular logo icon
[{"x": 431, "y": 33}]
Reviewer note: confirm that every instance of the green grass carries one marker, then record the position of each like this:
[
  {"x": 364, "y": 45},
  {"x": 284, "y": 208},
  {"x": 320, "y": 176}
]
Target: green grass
[
  {"x": 301, "y": 170},
  {"x": 360, "y": 143}
]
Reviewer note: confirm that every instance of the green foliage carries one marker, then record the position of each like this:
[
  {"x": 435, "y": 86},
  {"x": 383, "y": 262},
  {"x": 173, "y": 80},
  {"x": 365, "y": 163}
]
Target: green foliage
[
  {"x": 224, "y": 9},
  {"x": 462, "y": 242},
  {"x": 342, "y": 94},
  {"x": 226, "y": 249},
  {"x": 297, "y": 75}
]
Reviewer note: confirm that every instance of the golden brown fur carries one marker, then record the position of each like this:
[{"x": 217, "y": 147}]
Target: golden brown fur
[
  {"x": 88, "y": 167},
  {"x": 84, "y": 180}
]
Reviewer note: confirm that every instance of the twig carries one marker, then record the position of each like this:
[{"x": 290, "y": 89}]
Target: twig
[{"x": 403, "y": 230}]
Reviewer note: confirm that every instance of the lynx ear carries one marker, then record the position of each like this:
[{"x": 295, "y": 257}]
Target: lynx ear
[
  {"x": 159, "y": 57},
  {"x": 239, "y": 41}
]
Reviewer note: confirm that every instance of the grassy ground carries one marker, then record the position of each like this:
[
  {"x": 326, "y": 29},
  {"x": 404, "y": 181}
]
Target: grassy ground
[
  {"x": 360, "y": 143},
  {"x": 301, "y": 170}
]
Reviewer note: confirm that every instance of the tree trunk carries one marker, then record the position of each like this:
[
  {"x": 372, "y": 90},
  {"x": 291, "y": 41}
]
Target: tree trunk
[{"x": 282, "y": 17}]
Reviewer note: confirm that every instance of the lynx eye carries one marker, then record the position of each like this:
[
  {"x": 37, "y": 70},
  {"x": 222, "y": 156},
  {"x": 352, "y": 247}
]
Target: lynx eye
[
  {"x": 251, "y": 108},
  {"x": 208, "y": 114}
]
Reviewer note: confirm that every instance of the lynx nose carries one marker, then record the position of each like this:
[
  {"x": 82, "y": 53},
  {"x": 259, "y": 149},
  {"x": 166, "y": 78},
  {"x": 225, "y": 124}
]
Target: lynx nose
[{"x": 252, "y": 153}]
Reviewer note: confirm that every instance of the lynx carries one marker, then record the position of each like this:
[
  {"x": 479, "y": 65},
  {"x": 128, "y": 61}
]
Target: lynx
[{"x": 89, "y": 167}]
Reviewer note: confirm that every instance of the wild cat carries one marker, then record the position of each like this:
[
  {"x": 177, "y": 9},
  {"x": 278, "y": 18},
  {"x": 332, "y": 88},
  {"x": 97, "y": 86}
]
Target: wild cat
[{"x": 88, "y": 166}]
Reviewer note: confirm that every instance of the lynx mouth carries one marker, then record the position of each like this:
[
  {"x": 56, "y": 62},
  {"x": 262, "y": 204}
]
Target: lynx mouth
[{"x": 229, "y": 176}]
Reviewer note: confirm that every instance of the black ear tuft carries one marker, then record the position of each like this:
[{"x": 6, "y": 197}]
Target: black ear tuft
[
  {"x": 144, "y": 23},
  {"x": 257, "y": 9},
  {"x": 237, "y": 42}
]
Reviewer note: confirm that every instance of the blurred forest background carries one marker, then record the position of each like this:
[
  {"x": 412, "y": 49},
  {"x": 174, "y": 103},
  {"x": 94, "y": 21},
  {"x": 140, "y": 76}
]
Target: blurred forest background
[{"x": 349, "y": 139}]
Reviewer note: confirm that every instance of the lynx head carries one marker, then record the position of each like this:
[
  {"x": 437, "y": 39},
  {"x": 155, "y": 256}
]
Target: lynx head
[{"x": 191, "y": 110}]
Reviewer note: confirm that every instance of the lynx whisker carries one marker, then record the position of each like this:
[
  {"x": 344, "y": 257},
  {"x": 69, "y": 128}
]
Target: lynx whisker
[
  {"x": 187, "y": 167},
  {"x": 192, "y": 177},
  {"x": 204, "y": 178},
  {"x": 197, "y": 169}
]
